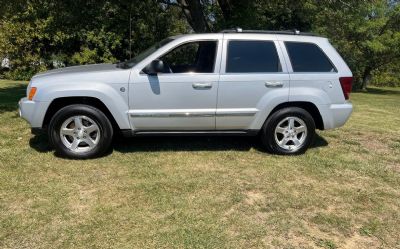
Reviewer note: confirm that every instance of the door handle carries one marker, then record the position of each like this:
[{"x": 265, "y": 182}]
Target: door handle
[
  {"x": 201, "y": 86},
  {"x": 273, "y": 84}
]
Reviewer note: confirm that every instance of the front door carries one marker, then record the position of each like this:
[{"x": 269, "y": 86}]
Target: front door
[{"x": 184, "y": 96}]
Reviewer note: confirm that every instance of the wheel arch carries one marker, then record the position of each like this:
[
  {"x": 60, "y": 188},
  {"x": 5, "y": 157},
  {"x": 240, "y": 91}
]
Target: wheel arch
[
  {"x": 61, "y": 102},
  {"x": 308, "y": 106}
]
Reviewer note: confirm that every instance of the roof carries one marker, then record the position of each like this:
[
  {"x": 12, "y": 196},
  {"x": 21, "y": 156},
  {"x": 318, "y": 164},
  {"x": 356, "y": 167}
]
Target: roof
[{"x": 288, "y": 35}]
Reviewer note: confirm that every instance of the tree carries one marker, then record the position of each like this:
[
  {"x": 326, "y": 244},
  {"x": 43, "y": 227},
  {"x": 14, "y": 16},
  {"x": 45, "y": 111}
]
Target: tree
[
  {"x": 193, "y": 11},
  {"x": 34, "y": 34},
  {"x": 366, "y": 33},
  {"x": 37, "y": 35}
]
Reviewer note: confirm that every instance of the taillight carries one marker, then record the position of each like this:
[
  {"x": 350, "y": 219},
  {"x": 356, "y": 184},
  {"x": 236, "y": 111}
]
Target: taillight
[{"x": 346, "y": 83}]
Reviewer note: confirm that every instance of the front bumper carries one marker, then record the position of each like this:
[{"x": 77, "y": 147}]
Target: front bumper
[{"x": 32, "y": 111}]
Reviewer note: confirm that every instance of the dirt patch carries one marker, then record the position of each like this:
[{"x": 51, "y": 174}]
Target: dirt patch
[
  {"x": 253, "y": 197},
  {"x": 394, "y": 166},
  {"x": 20, "y": 206},
  {"x": 372, "y": 143},
  {"x": 81, "y": 203},
  {"x": 360, "y": 242},
  {"x": 355, "y": 241}
]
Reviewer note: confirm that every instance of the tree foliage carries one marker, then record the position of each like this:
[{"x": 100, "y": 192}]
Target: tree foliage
[
  {"x": 37, "y": 35},
  {"x": 366, "y": 33},
  {"x": 42, "y": 34}
]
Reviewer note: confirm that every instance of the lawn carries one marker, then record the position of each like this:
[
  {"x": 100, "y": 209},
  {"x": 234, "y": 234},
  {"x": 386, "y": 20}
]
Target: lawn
[{"x": 200, "y": 192}]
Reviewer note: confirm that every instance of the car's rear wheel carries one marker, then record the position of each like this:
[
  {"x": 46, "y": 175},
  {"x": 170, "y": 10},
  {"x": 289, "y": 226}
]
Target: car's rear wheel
[
  {"x": 80, "y": 132},
  {"x": 288, "y": 131}
]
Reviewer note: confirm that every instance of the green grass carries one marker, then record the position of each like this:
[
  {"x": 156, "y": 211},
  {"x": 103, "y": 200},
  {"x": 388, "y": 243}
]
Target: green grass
[{"x": 206, "y": 192}]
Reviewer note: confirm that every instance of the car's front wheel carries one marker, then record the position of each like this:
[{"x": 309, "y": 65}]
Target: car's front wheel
[
  {"x": 288, "y": 131},
  {"x": 80, "y": 132}
]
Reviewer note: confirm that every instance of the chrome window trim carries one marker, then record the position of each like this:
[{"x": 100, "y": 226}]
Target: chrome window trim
[
  {"x": 333, "y": 73},
  {"x": 176, "y": 74},
  {"x": 254, "y": 73}
]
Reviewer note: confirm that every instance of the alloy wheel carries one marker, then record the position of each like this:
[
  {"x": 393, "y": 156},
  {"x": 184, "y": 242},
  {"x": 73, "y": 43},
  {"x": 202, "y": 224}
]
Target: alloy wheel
[
  {"x": 290, "y": 133},
  {"x": 80, "y": 134}
]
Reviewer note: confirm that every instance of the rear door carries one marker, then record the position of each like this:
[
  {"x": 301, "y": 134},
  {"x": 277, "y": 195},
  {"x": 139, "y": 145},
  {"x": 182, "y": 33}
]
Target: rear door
[{"x": 252, "y": 67}]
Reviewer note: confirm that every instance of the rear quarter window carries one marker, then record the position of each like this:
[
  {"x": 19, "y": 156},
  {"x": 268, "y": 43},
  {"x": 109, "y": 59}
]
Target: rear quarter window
[{"x": 308, "y": 57}]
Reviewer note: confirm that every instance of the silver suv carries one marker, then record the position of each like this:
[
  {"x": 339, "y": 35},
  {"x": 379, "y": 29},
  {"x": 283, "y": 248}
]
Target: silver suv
[{"x": 280, "y": 86}]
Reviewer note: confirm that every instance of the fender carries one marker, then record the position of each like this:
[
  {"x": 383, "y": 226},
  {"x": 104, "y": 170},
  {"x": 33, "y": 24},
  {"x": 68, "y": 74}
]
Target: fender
[
  {"x": 317, "y": 96},
  {"x": 275, "y": 98},
  {"x": 313, "y": 95},
  {"x": 108, "y": 94},
  {"x": 266, "y": 104}
]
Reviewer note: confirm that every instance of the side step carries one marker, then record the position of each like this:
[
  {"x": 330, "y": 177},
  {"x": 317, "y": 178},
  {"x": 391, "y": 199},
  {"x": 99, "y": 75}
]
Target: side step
[{"x": 131, "y": 133}]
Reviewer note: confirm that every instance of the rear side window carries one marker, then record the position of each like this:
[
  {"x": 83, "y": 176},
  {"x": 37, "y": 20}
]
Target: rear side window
[
  {"x": 308, "y": 57},
  {"x": 252, "y": 57}
]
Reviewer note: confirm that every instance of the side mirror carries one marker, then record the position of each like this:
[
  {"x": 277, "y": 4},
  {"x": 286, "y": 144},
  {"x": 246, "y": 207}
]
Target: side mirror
[{"x": 155, "y": 67}]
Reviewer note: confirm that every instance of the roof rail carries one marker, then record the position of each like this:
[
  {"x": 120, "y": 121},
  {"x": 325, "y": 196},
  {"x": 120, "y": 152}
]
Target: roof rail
[{"x": 284, "y": 32}]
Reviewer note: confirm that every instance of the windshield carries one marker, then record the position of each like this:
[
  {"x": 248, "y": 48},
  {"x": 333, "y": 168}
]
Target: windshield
[{"x": 138, "y": 58}]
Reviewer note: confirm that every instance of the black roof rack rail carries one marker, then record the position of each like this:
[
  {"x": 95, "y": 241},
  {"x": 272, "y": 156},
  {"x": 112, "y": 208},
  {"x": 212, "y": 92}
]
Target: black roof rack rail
[{"x": 274, "y": 32}]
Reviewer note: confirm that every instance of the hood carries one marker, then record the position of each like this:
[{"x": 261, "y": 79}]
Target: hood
[
  {"x": 105, "y": 73},
  {"x": 79, "y": 69}
]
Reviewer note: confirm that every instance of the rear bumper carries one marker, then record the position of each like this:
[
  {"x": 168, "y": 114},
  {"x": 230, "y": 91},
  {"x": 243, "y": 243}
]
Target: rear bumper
[
  {"x": 336, "y": 115},
  {"x": 32, "y": 111}
]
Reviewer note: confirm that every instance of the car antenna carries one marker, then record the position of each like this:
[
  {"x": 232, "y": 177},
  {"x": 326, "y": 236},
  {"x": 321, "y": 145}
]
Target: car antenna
[{"x": 130, "y": 32}]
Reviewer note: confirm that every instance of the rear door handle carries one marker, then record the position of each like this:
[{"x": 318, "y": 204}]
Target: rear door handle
[
  {"x": 201, "y": 86},
  {"x": 273, "y": 84}
]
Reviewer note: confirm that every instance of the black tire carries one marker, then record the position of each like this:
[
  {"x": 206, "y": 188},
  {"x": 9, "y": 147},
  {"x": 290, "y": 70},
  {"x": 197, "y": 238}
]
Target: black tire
[
  {"x": 101, "y": 120},
  {"x": 269, "y": 141}
]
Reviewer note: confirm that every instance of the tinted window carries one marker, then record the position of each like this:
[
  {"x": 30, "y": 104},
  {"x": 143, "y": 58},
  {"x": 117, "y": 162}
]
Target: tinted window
[
  {"x": 252, "y": 57},
  {"x": 138, "y": 58},
  {"x": 308, "y": 57},
  {"x": 197, "y": 57}
]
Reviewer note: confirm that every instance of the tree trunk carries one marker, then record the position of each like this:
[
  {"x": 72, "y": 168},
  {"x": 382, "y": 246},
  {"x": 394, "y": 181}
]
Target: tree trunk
[
  {"x": 226, "y": 9},
  {"x": 367, "y": 75},
  {"x": 193, "y": 11}
]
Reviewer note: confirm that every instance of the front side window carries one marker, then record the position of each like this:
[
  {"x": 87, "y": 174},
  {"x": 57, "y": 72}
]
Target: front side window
[
  {"x": 308, "y": 57},
  {"x": 252, "y": 57},
  {"x": 143, "y": 55},
  {"x": 195, "y": 57}
]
